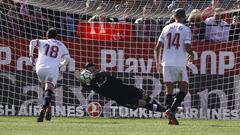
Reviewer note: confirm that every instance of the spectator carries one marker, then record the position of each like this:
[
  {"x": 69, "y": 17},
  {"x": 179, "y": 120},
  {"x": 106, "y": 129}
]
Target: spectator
[
  {"x": 40, "y": 23},
  {"x": 146, "y": 28},
  {"x": 197, "y": 26},
  {"x": 170, "y": 20},
  {"x": 24, "y": 11},
  {"x": 235, "y": 29},
  {"x": 142, "y": 2},
  {"x": 236, "y": 8},
  {"x": 12, "y": 21},
  {"x": 2, "y": 7},
  {"x": 216, "y": 28},
  {"x": 5, "y": 5},
  {"x": 99, "y": 17},
  {"x": 110, "y": 4},
  {"x": 237, "y": 4},
  {"x": 185, "y": 4},
  {"x": 123, "y": 18},
  {"x": 209, "y": 11},
  {"x": 92, "y": 5},
  {"x": 235, "y": 26},
  {"x": 70, "y": 26}
]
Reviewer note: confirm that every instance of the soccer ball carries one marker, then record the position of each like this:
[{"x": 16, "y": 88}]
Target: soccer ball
[{"x": 85, "y": 76}]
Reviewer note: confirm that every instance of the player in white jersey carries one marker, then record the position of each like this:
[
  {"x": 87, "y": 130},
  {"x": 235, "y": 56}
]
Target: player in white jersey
[
  {"x": 176, "y": 42},
  {"x": 52, "y": 54}
]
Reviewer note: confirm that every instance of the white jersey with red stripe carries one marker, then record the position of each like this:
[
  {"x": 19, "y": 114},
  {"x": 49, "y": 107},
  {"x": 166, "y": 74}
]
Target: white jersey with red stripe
[
  {"x": 174, "y": 37},
  {"x": 50, "y": 53}
]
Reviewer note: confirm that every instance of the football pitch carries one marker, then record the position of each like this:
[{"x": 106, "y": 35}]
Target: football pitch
[{"x": 115, "y": 126}]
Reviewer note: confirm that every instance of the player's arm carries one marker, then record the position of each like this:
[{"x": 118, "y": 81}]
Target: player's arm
[
  {"x": 158, "y": 51},
  {"x": 189, "y": 49},
  {"x": 32, "y": 45},
  {"x": 86, "y": 87},
  {"x": 66, "y": 60},
  {"x": 65, "y": 57},
  {"x": 190, "y": 52},
  {"x": 188, "y": 42}
]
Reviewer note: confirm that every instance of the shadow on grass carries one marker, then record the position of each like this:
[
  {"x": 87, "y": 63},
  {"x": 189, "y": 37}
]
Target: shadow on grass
[
  {"x": 71, "y": 122},
  {"x": 224, "y": 126},
  {"x": 207, "y": 125},
  {"x": 91, "y": 122}
]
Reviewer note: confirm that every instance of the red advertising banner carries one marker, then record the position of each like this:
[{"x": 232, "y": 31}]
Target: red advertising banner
[
  {"x": 104, "y": 31},
  {"x": 210, "y": 58}
]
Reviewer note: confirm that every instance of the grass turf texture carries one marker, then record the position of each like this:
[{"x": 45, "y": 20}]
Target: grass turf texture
[{"x": 104, "y": 126}]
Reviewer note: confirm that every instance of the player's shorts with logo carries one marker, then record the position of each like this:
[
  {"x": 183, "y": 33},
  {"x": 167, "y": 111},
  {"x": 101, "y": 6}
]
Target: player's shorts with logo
[
  {"x": 174, "y": 74},
  {"x": 48, "y": 75}
]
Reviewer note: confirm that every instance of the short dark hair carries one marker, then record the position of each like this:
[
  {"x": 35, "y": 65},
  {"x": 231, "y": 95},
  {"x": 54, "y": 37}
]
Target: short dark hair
[
  {"x": 52, "y": 33},
  {"x": 180, "y": 13},
  {"x": 89, "y": 64}
]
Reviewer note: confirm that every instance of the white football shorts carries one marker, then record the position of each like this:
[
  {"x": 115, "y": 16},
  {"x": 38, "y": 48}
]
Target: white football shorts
[
  {"x": 174, "y": 74},
  {"x": 48, "y": 75}
]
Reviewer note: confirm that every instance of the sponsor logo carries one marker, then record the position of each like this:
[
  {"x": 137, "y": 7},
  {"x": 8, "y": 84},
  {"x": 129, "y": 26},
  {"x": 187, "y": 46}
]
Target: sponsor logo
[{"x": 94, "y": 109}]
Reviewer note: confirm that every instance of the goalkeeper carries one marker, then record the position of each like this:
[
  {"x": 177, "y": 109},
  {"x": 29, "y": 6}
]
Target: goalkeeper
[{"x": 113, "y": 88}]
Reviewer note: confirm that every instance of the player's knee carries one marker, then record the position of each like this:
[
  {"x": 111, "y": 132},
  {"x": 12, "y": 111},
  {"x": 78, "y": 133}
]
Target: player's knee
[{"x": 49, "y": 86}]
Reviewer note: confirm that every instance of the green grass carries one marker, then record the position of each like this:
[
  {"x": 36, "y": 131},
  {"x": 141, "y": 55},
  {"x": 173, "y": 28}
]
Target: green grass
[{"x": 104, "y": 126}]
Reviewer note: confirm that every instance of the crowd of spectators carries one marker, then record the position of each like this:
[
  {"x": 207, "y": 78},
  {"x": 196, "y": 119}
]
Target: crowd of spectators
[
  {"x": 21, "y": 20},
  {"x": 208, "y": 20}
]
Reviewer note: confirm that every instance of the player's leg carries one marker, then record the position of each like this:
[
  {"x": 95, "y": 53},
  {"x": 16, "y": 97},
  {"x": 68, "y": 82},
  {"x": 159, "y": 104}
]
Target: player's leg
[
  {"x": 52, "y": 81},
  {"x": 134, "y": 97},
  {"x": 46, "y": 107},
  {"x": 49, "y": 79},
  {"x": 41, "y": 77},
  {"x": 167, "y": 78},
  {"x": 42, "y": 112},
  {"x": 183, "y": 86},
  {"x": 177, "y": 102},
  {"x": 150, "y": 104},
  {"x": 48, "y": 95},
  {"x": 169, "y": 101},
  {"x": 169, "y": 94}
]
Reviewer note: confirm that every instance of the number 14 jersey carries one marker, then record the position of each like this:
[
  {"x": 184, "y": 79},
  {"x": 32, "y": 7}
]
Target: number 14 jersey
[{"x": 174, "y": 37}]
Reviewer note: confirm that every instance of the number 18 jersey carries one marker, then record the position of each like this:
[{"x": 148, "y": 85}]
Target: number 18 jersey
[
  {"x": 174, "y": 37},
  {"x": 50, "y": 53}
]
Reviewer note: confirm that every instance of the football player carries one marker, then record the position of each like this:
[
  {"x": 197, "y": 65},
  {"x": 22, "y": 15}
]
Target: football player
[
  {"x": 50, "y": 54},
  {"x": 176, "y": 41},
  {"x": 113, "y": 88}
]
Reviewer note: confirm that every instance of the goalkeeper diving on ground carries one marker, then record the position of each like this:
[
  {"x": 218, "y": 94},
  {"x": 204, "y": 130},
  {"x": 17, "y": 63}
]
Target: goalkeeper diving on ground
[{"x": 111, "y": 87}]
